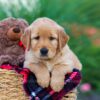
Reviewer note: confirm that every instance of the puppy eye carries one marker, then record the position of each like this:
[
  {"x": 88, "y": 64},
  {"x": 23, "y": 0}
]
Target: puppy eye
[
  {"x": 36, "y": 38},
  {"x": 52, "y": 38}
]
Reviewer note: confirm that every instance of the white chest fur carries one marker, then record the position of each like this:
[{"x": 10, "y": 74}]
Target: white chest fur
[{"x": 49, "y": 66}]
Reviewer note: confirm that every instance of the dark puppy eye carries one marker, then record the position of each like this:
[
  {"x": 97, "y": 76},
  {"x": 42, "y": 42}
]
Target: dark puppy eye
[
  {"x": 52, "y": 38},
  {"x": 36, "y": 38}
]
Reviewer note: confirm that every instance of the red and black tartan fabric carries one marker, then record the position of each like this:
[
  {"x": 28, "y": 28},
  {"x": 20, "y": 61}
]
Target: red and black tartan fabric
[{"x": 36, "y": 92}]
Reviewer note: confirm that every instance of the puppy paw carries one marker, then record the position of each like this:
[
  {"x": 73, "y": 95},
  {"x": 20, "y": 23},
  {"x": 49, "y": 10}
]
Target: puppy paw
[
  {"x": 65, "y": 98},
  {"x": 57, "y": 84},
  {"x": 43, "y": 80},
  {"x": 72, "y": 95}
]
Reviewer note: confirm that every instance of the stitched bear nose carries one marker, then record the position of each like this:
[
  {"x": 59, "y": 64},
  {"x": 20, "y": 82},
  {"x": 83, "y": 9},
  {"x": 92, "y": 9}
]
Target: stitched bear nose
[
  {"x": 16, "y": 30},
  {"x": 44, "y": 51}
]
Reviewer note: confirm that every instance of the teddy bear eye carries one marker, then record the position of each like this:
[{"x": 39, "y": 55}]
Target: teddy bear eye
[
  {"x": 52, "y": 38},
  {"x": 36, "y": 38}
]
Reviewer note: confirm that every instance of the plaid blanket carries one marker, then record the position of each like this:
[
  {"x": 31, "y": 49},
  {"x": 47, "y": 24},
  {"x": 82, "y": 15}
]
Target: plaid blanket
[{"x": 36, "y": 92}]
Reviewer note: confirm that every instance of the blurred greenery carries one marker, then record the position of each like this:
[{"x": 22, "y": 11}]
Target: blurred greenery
[{"x": 66, "y": 12}]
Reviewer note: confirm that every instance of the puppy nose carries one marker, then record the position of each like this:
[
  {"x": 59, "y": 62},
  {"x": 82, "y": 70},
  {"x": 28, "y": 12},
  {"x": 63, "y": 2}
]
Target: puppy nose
[
  {"x": 16, "y": 30},
  {"x": 44, "y": 51}
]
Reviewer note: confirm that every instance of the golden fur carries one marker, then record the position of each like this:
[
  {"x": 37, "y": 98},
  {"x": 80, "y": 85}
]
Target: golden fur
[{"x": 46, "y": 33}]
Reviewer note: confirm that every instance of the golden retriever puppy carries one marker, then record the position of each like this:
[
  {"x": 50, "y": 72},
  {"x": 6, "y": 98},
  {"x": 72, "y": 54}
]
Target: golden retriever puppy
[{"x": 47, "y": 54}]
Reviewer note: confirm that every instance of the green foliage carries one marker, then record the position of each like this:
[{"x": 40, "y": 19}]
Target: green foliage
[
  {"x": 81, "y": 11},
  {"x": 89, "y": 56},
  {"x": 85, "y": 12}
]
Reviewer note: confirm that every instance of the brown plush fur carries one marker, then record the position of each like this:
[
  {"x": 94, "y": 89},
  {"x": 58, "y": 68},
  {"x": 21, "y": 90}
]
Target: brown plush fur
[{"x": 10, "y": 31}]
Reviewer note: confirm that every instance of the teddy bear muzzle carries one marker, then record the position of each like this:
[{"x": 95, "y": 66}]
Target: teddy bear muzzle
[{"x": 14, "y": 33}]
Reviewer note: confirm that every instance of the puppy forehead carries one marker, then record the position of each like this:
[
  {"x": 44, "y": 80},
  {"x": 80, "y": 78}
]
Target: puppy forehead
[
  {"x": 44, "y": 31},
  {"x": 44, "y": 21}
]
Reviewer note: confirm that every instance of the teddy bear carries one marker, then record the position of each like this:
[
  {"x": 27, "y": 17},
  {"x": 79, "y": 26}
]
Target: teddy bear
[{"x": 11, "y": 30}]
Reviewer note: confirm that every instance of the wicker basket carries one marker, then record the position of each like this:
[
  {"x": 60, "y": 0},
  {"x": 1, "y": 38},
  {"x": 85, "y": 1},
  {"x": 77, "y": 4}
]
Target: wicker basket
[{"x": 11, "y": 87}]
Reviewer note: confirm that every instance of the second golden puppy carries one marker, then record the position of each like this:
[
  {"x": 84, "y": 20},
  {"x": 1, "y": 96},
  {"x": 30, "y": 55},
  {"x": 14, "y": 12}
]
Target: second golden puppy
[{"x": 47, "y": 52}]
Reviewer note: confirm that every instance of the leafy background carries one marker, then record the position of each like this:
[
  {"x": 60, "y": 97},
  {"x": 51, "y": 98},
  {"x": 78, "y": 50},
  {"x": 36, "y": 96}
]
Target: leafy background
[{"x": 81, "y": 20}]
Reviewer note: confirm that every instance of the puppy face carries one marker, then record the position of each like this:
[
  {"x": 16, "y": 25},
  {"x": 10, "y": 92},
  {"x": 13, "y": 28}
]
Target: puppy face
[
  {"x": 46, "y": 38},
  {"x": 44, "y": 42}
]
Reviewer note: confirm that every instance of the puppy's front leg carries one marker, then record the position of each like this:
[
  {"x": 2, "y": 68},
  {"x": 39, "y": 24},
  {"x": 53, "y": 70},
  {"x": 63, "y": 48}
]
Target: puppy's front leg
[
  {"x": 41, "y": 73},
  {"x": 58, "y": 76}
]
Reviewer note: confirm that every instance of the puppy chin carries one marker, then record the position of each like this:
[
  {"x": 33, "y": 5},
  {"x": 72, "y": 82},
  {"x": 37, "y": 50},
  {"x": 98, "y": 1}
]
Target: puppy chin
[
  {"x": 38, "y": 56},
  {"x": 44, "y": 58},
  {"x": 47, "y": 57}
]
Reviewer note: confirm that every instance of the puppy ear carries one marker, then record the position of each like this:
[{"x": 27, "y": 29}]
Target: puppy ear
[
  {"x": 26, "y": 38},
  {"x": 62, "y": 39}
]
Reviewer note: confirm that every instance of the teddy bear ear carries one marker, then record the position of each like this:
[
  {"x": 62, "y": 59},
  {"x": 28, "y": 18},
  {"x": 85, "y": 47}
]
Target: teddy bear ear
[
  {"x": 23, "y": 22},
  {"x": 26, "y": 38}
]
